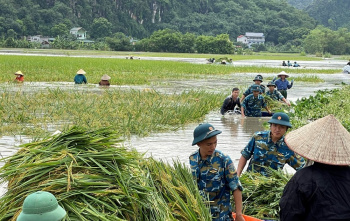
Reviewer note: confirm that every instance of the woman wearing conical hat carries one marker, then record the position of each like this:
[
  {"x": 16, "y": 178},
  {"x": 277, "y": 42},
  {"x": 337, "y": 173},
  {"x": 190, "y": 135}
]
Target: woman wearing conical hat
[
  {"x": 320, "y": 191},
  {"x": 19, "y": 77},
  {"x": 283, "y": 84},
  {"x": 105, "y": 80},
  {"x": 80, "y": 77}
]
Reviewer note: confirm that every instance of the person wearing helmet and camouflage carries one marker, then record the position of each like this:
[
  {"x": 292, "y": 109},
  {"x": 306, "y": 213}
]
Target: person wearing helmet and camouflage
[
  {"x": 268, "y": 149},
  {"x": 252, "y": 104},
  {"x": 41, "y": 206},
  {"x": 215, "y": 174},
  {"x": 257, "y": 81},
  {"x": 274, "y": 94}
]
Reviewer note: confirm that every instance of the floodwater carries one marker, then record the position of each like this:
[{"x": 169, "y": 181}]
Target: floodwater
[{"x": 236, "y": 131}]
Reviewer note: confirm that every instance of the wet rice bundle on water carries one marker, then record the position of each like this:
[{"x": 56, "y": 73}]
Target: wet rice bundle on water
[{"x": 95, "y": 179}]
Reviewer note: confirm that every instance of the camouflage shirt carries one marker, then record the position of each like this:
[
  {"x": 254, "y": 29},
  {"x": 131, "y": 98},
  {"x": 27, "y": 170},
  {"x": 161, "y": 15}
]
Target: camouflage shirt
[
  {"x": 217, "y": 177},
  {"x": 252, "y": 105},
  {"x": 265, "y": 153},
  {"x": 250, "y": 91},
  {"x": 276, "y": 95}
]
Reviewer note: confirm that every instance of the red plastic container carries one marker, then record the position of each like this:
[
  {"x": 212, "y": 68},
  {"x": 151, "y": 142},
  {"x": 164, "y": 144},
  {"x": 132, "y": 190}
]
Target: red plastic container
[{"x": 247, "y": 218}]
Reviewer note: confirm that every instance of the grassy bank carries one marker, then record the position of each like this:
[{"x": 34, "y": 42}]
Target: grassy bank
[{"x": 258, "y": 55}]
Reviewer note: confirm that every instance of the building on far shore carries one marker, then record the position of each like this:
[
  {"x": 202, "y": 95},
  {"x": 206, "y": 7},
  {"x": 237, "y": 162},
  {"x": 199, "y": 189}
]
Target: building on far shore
[
  {"x": 251, "y": 38},
  {"x": 43, "y": 40},
  {"x": 78, "y": 32}
]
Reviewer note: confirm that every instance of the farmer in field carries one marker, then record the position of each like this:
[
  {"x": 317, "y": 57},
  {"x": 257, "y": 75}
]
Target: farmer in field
[
  {"x": 19, "y": 77},
  {"x": 320, "y": 191},
  {"x": 268, "y": 149},
  {"x": 105, "y": 80},
  {"x": 231, "y": 102},
  {"x": 346, "y": 68},
  {"x": 282, "y": 83},
  {"x": 296, "y": 64},
  {"x": 215, "y": 174},
  {"x": 274, "y": 94},
  {"x": 257, "y": 81},
  {"x": 41, "y": 206},
  {"x": 252, "y": 104},
  {"x": 80, "y": 77}
]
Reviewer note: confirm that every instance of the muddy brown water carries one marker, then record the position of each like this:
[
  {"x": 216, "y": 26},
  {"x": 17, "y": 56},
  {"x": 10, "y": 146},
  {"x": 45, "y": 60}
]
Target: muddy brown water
[{"x": 169, "y": 146}]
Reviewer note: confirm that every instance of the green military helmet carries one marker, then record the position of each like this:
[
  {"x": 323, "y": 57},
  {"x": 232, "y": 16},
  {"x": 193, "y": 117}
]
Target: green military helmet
[
  {"x": 41, "y": 206},
  {"x": 255, "y": 88},
  {"x": 281, "y": 119},
  {"x": 203, "y": 132},
  {"x": 271, "y": 83},
  {"x": 258, "y": 77}
]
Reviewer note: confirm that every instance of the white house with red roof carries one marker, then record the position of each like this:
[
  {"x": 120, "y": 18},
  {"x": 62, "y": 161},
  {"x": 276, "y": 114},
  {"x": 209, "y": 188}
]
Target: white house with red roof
[{"x": 251, "y": 38}]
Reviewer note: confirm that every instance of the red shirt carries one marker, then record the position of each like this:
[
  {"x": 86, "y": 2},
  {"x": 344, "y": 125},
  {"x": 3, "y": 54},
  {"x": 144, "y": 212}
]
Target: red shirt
[{"x": 20, "y": 78}]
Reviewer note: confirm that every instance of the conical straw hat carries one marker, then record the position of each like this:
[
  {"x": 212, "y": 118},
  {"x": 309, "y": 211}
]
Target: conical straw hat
[
  {"x": 105, "y": 77},
  {"x": 19, "y": 72},
  {"x": 81, "y": 71},
  {"x": 283, "y": 73},
  {"x": 324, "y": 140}
]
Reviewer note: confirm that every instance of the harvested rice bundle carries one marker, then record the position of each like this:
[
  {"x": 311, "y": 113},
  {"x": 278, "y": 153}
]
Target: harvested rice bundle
[{"x": 95, "y": 179}]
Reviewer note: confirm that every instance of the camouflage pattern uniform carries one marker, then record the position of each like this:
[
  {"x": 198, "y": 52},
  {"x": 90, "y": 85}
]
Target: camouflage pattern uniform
[
  {"x": 252, "y": 105},
  {"x": 276, "y": 95},
  {"x": 250, "y": 91},
  {"x": 265, "y": 153},
  {"x": 217, "y": 177}
]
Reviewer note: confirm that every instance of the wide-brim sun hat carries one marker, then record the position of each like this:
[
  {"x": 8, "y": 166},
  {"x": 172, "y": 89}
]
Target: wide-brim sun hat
[
  {"x": 324, "y": 140},
  {"x": 105, "y": 77},
  {"x": 41, "y": 206},
  {"x": 283, "y": 73},
  {"x": 19, "y": 73},
  {"x": 281, "y": 119},
  {"x": 81, "y": 71},
  {"x": 203, "y": 132}
]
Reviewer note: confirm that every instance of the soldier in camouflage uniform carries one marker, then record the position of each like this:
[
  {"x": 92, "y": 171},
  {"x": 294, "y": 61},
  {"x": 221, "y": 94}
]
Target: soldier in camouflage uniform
[
  {"x": 251, "y": 106},
  {"x": 274, "y": 94},
  {"x": 215, "y": 174},
  {"x": 268, "y": 149},
  {"x": 257, "y": 81}
]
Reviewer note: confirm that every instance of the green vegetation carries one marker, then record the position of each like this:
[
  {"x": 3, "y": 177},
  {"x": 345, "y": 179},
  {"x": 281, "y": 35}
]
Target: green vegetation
[
  {"x": 308, "y": 78},
  {"x": 325, "y": 102},
  {"x": 261, "y": 194},
  {"x": 122, "y": 71},
  {"x": 137, "y": 18},
  {"x": 94, "y": 179},
  {"x": 128, "y": 112},
  {"x": 330, "y": 13}
]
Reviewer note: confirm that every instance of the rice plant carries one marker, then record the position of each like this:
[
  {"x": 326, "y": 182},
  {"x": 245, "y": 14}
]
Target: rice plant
[{"x": 94, "y": 178}]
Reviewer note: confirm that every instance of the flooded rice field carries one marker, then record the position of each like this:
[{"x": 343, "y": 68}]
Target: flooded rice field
[{"x": 236, "y": 131}]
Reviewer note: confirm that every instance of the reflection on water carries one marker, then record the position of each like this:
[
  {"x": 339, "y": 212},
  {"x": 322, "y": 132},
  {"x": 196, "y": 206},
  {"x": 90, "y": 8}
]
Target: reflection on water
[{"x": 236, "y": 131}]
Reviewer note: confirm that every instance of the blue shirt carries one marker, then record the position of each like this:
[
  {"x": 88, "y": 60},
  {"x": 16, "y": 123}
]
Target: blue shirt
[
  {"x": 283, "y": 85},
  {"x": 79, "y": 79},
  {"x": 216, "y": 176},
  {"x": 263, "y": 152},
  {"x": 252, "y": 105}
]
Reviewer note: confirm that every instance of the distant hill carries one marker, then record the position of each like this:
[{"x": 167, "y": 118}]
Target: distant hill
[
  {"x": 330, "y": 13},
  {"x": 140, "y": 18},
  {"x": 300, "y": 4}
]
